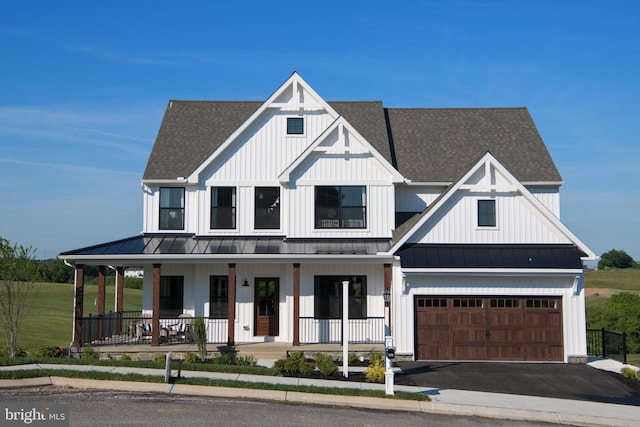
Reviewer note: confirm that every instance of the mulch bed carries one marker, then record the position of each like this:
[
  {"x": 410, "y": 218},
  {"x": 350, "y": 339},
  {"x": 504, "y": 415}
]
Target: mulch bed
[{"x": 399, "y": 379}]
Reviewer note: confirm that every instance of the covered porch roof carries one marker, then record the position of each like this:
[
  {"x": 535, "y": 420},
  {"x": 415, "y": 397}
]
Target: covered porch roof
[{"x": 191, "y": 248}]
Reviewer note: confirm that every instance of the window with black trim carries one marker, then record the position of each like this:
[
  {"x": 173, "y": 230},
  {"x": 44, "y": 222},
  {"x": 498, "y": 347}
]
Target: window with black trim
[
  {"x": 328, "y": 297},
  {"x": 341, "y": 206},
  {"x": 223, "y": 207},
  {"x": 171, "y": 295},
  {"x": 295, "y": 126},
  {"x": 218, "y": 297},
  {"x": 171, "y": 208},
  {"x": 267, "y": 208},
  {"x": 486, "y": 213}
]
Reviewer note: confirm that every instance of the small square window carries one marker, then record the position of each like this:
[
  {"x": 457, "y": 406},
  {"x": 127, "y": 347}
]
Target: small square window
[
  {"x": 486, "y": 213},
  {"x": 295, "y": 126}
]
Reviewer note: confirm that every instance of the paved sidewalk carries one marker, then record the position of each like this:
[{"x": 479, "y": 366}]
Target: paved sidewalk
[{"x": 444, "y": 401}]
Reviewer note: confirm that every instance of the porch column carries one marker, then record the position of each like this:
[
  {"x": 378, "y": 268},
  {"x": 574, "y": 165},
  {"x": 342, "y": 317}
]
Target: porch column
[
  {"x": 155, "y": 306},
  {"x": 101, "y": 298},
  {"x": 387, "y": 287},
  {"x": 119, "y": 296},
  {"x": 296, "y": 304},
  {"x": 78, "y": 306},
  {"x": 231, "y": 307}
]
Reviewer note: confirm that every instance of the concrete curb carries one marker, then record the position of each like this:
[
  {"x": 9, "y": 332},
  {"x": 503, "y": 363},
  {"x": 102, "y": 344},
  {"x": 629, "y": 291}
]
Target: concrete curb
[{"x": 323, "y": 399}]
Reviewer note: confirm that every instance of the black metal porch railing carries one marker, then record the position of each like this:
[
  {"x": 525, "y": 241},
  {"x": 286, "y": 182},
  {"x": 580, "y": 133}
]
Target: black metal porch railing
[
  {"x": 134, "y": 328},
  {"x": 603, "y": 343}
]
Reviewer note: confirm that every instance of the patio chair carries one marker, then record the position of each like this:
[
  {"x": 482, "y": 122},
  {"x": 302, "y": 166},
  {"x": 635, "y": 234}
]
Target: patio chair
[{"x": 182, "y": 330}]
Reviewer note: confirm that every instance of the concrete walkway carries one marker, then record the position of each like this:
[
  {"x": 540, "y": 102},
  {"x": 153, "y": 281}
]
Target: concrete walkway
[{"x": 444, "y": 401}]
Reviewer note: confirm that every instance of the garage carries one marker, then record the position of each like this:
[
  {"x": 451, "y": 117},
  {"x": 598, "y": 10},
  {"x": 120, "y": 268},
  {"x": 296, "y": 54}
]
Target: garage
[{"x": 503, "y": 328}]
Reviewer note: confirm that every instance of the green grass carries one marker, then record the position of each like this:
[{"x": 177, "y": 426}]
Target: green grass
[
  {"x": 49, "y": 320},
  {"x": 619, "y": 280},
  {"x": 34, "y": 373}
]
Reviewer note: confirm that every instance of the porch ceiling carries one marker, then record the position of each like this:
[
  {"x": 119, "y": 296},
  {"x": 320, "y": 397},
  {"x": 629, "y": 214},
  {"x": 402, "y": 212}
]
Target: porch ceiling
[{"x": 152, "y": 246}]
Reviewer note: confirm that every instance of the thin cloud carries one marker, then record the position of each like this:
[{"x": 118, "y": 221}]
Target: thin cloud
[{"x": 69, "y": 167}]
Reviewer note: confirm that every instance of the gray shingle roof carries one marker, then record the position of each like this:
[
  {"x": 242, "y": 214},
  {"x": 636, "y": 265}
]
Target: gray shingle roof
[
  {"x": 428, "y": 145},
  {"x": 437, "y": 145}
]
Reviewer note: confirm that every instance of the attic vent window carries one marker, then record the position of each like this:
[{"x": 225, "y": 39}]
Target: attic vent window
[{"x": 295, "y": 126}]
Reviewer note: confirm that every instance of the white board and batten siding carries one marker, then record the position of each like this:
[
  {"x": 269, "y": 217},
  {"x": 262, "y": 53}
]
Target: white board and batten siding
[
  {"x": 569, "y": 287},
  {"x": 517, "y": 221}
]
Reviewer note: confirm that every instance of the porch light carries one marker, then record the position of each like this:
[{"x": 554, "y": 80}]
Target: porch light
[
  {"x": 245, "y": 283},
  {"x": 387, "y": 296}
]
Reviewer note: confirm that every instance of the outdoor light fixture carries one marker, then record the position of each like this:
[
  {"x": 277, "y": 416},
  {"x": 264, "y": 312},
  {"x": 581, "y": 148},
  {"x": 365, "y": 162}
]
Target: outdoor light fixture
[
  {"x": 245, "y": 283},
  {"x": 387, "y": 296}
]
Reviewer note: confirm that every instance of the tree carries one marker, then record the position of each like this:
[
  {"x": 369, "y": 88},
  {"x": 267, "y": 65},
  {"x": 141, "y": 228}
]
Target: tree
[
  {"x": 620, "y": 313},
  {"x": 18, "y": 270},
  {"x": 615, "y": 259}
]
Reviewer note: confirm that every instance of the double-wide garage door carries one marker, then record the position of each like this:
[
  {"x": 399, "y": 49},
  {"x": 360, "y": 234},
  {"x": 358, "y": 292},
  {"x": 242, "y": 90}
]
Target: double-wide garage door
[{"x": 488, "y": 328}]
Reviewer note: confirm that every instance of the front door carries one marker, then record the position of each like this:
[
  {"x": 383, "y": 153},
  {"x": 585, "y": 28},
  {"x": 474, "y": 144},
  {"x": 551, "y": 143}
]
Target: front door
[{"x": 267, "y": 297}]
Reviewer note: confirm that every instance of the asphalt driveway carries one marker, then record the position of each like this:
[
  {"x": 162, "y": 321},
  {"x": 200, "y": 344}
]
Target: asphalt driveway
[{"x": 556, "y": 380}]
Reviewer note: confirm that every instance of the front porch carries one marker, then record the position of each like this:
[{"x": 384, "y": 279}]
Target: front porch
[{"x": 136, "y": 329}]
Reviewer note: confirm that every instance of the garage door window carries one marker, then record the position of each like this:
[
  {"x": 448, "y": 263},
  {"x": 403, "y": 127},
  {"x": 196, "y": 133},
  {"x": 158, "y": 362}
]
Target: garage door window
[
  {"x": 432, "y": 302},
  {"x": 542, "y": 303},
  {"x": 467, "y": 302},
  {"x": 504, "y": 303}
]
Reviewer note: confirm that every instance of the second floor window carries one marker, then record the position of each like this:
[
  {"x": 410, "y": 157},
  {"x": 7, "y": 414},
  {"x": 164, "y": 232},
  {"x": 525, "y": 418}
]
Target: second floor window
[
  {"x": 341, "y": 207},
  {"x": 223, "y": 207},
  {"x": 267, "y": 205},
  {"x": 171, "y": 208},
  {"x": 295, "y": 126}
]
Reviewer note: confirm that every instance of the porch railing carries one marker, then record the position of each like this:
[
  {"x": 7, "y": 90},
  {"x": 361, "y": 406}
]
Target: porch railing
[
  {"x": 603, "y": 343},
  {"x": 133, "y": 328},
  {"x": 361, "y": 331}
]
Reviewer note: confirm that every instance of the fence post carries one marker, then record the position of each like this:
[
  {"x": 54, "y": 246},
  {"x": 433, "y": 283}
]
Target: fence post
[
  {"x": 604, "y": 353},
  {"x": 624, "y": 348}
]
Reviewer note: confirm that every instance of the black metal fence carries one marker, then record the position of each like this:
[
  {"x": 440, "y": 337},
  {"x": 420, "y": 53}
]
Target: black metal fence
[
  {"x": 603, "y": 343},
  {"x": 131, "y": 327}
]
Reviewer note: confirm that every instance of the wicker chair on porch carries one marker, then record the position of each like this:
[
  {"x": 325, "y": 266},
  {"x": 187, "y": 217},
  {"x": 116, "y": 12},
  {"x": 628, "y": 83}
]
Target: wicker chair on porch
[{"x": 182, "y": 330}]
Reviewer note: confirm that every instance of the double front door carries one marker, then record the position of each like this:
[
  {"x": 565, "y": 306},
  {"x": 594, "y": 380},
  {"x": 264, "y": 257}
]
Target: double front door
[{"x": 266, "y": 302}]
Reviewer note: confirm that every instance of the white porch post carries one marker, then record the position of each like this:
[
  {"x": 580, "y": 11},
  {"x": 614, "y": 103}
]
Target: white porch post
[{"x": 345, "y": 328}]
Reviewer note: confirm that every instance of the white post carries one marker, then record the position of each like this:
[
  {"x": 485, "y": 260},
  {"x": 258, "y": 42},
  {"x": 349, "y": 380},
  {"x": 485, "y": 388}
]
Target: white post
[
  {"x": 388, "y": 374},
  {"x": 167, "y": 368},
  {"x": 345, "y": 328}
]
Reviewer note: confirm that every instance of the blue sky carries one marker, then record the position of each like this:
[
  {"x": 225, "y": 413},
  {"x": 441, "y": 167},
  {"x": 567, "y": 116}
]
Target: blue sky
[{"x": 84, "y": 86}]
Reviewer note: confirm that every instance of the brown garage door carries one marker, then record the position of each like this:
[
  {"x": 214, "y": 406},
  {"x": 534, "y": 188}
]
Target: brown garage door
[{"x": 488, "y": 328}]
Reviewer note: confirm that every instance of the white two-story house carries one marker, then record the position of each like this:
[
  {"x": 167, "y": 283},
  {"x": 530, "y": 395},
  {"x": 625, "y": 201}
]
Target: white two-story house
[{"x": 255, "y": 213}]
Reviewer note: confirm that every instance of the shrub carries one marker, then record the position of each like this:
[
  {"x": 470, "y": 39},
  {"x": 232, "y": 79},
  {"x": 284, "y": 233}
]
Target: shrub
[
  {"x": 306, "y": 367},
  {"x": 51, "y": 351},
  {"x": 629, "y": 373},
  {"x": 90, "y": 353},
  {"x": 278, "y": 366},
  {"x": 159, "y": 358},
  {"x": 292, "y": 363},
  {"x": 325, "y": 364},
  {"x": 376, "y": 358},
  {"x": 223, "y": 359},
  {"x": 125, "y": 358},
  {"x": 201, "y": 337},
  {"x": 247, "y": 360},
  {"x": 190, "y": 358},
  {"x": 353, "y": 359},
  {"x": 375, "y": 373}
]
